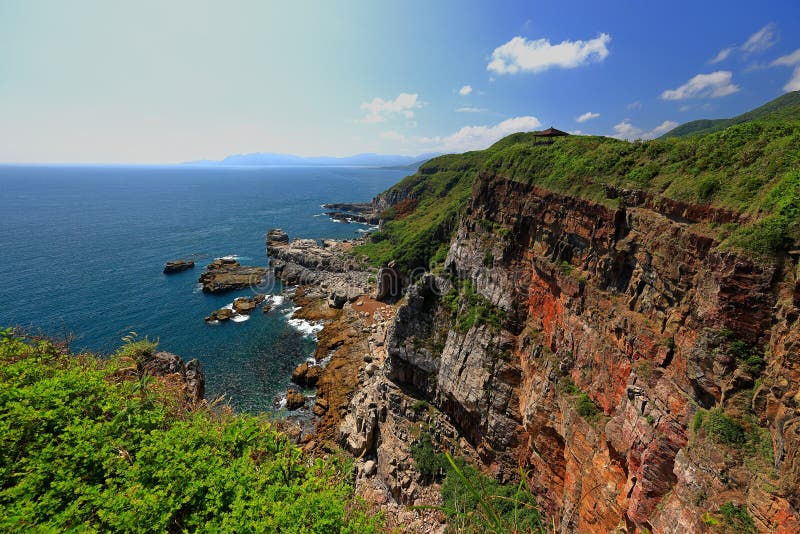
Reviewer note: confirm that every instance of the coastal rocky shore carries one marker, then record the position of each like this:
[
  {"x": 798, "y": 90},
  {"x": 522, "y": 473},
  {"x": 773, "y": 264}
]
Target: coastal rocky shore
[{"x": 338, "y": 290}]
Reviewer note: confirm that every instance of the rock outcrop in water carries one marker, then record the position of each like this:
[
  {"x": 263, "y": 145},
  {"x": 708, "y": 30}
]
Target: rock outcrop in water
[
  {"x": 178, "y": 266},
  {"x": 227, "y": 274}
]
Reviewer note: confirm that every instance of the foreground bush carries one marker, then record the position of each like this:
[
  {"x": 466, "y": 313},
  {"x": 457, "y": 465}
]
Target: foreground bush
[{"x": 86, "y": 446}]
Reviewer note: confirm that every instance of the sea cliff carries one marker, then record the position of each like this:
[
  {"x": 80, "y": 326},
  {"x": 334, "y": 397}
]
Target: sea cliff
[{"x": 630, "y": 343}]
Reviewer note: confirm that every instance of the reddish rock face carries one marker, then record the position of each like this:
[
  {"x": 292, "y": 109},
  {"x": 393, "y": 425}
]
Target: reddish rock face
[{"x": 637, "y": 309}]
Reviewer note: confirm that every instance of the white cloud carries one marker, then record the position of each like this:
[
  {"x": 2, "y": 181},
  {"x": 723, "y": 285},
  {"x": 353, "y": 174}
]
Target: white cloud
[
  {"x": 467, "y": 138},
  {"x": 378, "y": 109},
  {"x": 794, "y": 83},
  {"x": 626, "y": 130},
  {"x": 470, "y": 109},
  {"x": 789, "y": 60},
  {"x": 722, "y": 55},
  {"x": 464, "y": 91},
  {"x": 521, "y": 55},
  {"x": 635, "y": 105},
  {"x": 478, "y": 137},
  {"x": 761, "y": 40},
  {"x": 587, "y": 116},
  {"x": 714, "y": 85}
]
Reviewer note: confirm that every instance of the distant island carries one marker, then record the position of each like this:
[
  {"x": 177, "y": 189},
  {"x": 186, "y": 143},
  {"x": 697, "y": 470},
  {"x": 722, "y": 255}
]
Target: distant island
[{"x": 358, "y": 160}]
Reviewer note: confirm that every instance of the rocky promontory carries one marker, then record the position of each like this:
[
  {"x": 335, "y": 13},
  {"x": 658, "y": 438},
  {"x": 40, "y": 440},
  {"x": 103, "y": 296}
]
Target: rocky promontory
[
  {"x": 365, "y": 212},
  {"x": 328, "y": 269},
  {"x": 226, "y": 274}
]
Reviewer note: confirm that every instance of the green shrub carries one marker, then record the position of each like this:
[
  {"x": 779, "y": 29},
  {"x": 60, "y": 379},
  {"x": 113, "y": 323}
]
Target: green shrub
[
  {"x": 723, "y": 429},
  {"x": 476, "y": 503},
  {"x": 430, "y": 463},
  {"x": 83, "y": 448},
  {"x": 737, "y": 518},
  {"x": 586, "y": 407},
  {"x": 472, "y": 309},
  {"x": 420, "y": 405}
]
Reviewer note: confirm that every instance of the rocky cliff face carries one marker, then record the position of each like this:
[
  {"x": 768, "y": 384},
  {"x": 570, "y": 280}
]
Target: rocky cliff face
[{"x": 643, "y": 377}]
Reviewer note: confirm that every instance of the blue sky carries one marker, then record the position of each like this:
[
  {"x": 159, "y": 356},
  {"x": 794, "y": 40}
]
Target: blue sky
[{"x": 154, "y": 81}]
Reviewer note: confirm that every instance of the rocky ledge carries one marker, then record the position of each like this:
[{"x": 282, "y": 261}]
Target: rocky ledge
[
  {"x": 227, "y": 274},
  {"x": 178, "y": 266},
  {"x": 368, "y": 212},
  {"x": 170, "y": 368},
  {"x": 329, "y": 270}
]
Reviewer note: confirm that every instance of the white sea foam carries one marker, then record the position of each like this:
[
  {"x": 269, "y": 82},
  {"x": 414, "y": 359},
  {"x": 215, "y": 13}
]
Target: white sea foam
[
  {"x": 274, "y": 300},
  {"x": 306, "y": 328},
  {"x": 240, "y": 318}
]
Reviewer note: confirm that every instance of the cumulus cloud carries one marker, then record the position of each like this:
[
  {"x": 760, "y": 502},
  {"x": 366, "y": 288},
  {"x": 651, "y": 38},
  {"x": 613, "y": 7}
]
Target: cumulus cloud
[
  {"x": 587, "y": 116},
  {"x": 627, "y": 130},
  {"x": 468, "y": 137},
  {"x": 464, "y": 91},
  {"x": 470, "y": 109},
  {"x": 714, "y": 85},
  {"x": 378, "y": 109},
  {"x": 794, "y": 82},
  {"x": 761, "y": 40},
  {"x": 522, "y": 55},
  {"x": 722, "y": 55}
]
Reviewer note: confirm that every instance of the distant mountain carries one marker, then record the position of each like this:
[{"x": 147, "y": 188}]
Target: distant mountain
[
  {"x": 789, "y": 103},
  {"x": 359, "y": 160}
]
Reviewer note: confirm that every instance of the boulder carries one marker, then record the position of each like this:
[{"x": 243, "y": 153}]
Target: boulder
[
  {"x": 342, "y": 293},
  {"x": 294, "y": 399},
  {"x": 178, "y": 266},
  {"x": 245, "y": 305},
  {"x": 306, "y": 374},
  {"x": 320, "y": 407}
]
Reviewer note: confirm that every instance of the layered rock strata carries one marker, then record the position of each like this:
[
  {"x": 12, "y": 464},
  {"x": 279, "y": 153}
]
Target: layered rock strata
[{"x": 593, "y": 350}]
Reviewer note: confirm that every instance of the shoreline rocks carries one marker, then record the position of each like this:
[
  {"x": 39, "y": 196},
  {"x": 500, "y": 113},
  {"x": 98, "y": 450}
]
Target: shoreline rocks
[
  {"x": 227, "y": 274},
  {"x": 240, "y": 306},
  {"x": 330, "y": 270},
  {"x": 177, "y": 266},
  {"x": 166, "y": 364},
  {"x": 306, "y": 374},
  {"x": 294, "y": 399}
]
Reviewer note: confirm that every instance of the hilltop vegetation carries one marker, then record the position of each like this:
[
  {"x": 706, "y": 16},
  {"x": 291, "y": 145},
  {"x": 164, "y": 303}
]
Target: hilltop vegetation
[
  {"x": 85, "y": 446},
  {"x": 782, "y": 104},
  {"x": 751, "y": 168}
]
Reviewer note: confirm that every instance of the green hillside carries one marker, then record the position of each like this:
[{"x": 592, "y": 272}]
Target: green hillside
[
  {"x": 706, "y": 126},
  {"x": 752, "y": 167}
]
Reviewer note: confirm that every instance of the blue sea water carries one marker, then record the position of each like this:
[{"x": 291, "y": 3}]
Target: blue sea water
[{"x": 82, "y": 250}]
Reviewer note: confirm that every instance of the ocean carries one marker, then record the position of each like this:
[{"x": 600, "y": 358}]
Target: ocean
[{"x": 82, "y": 250}]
